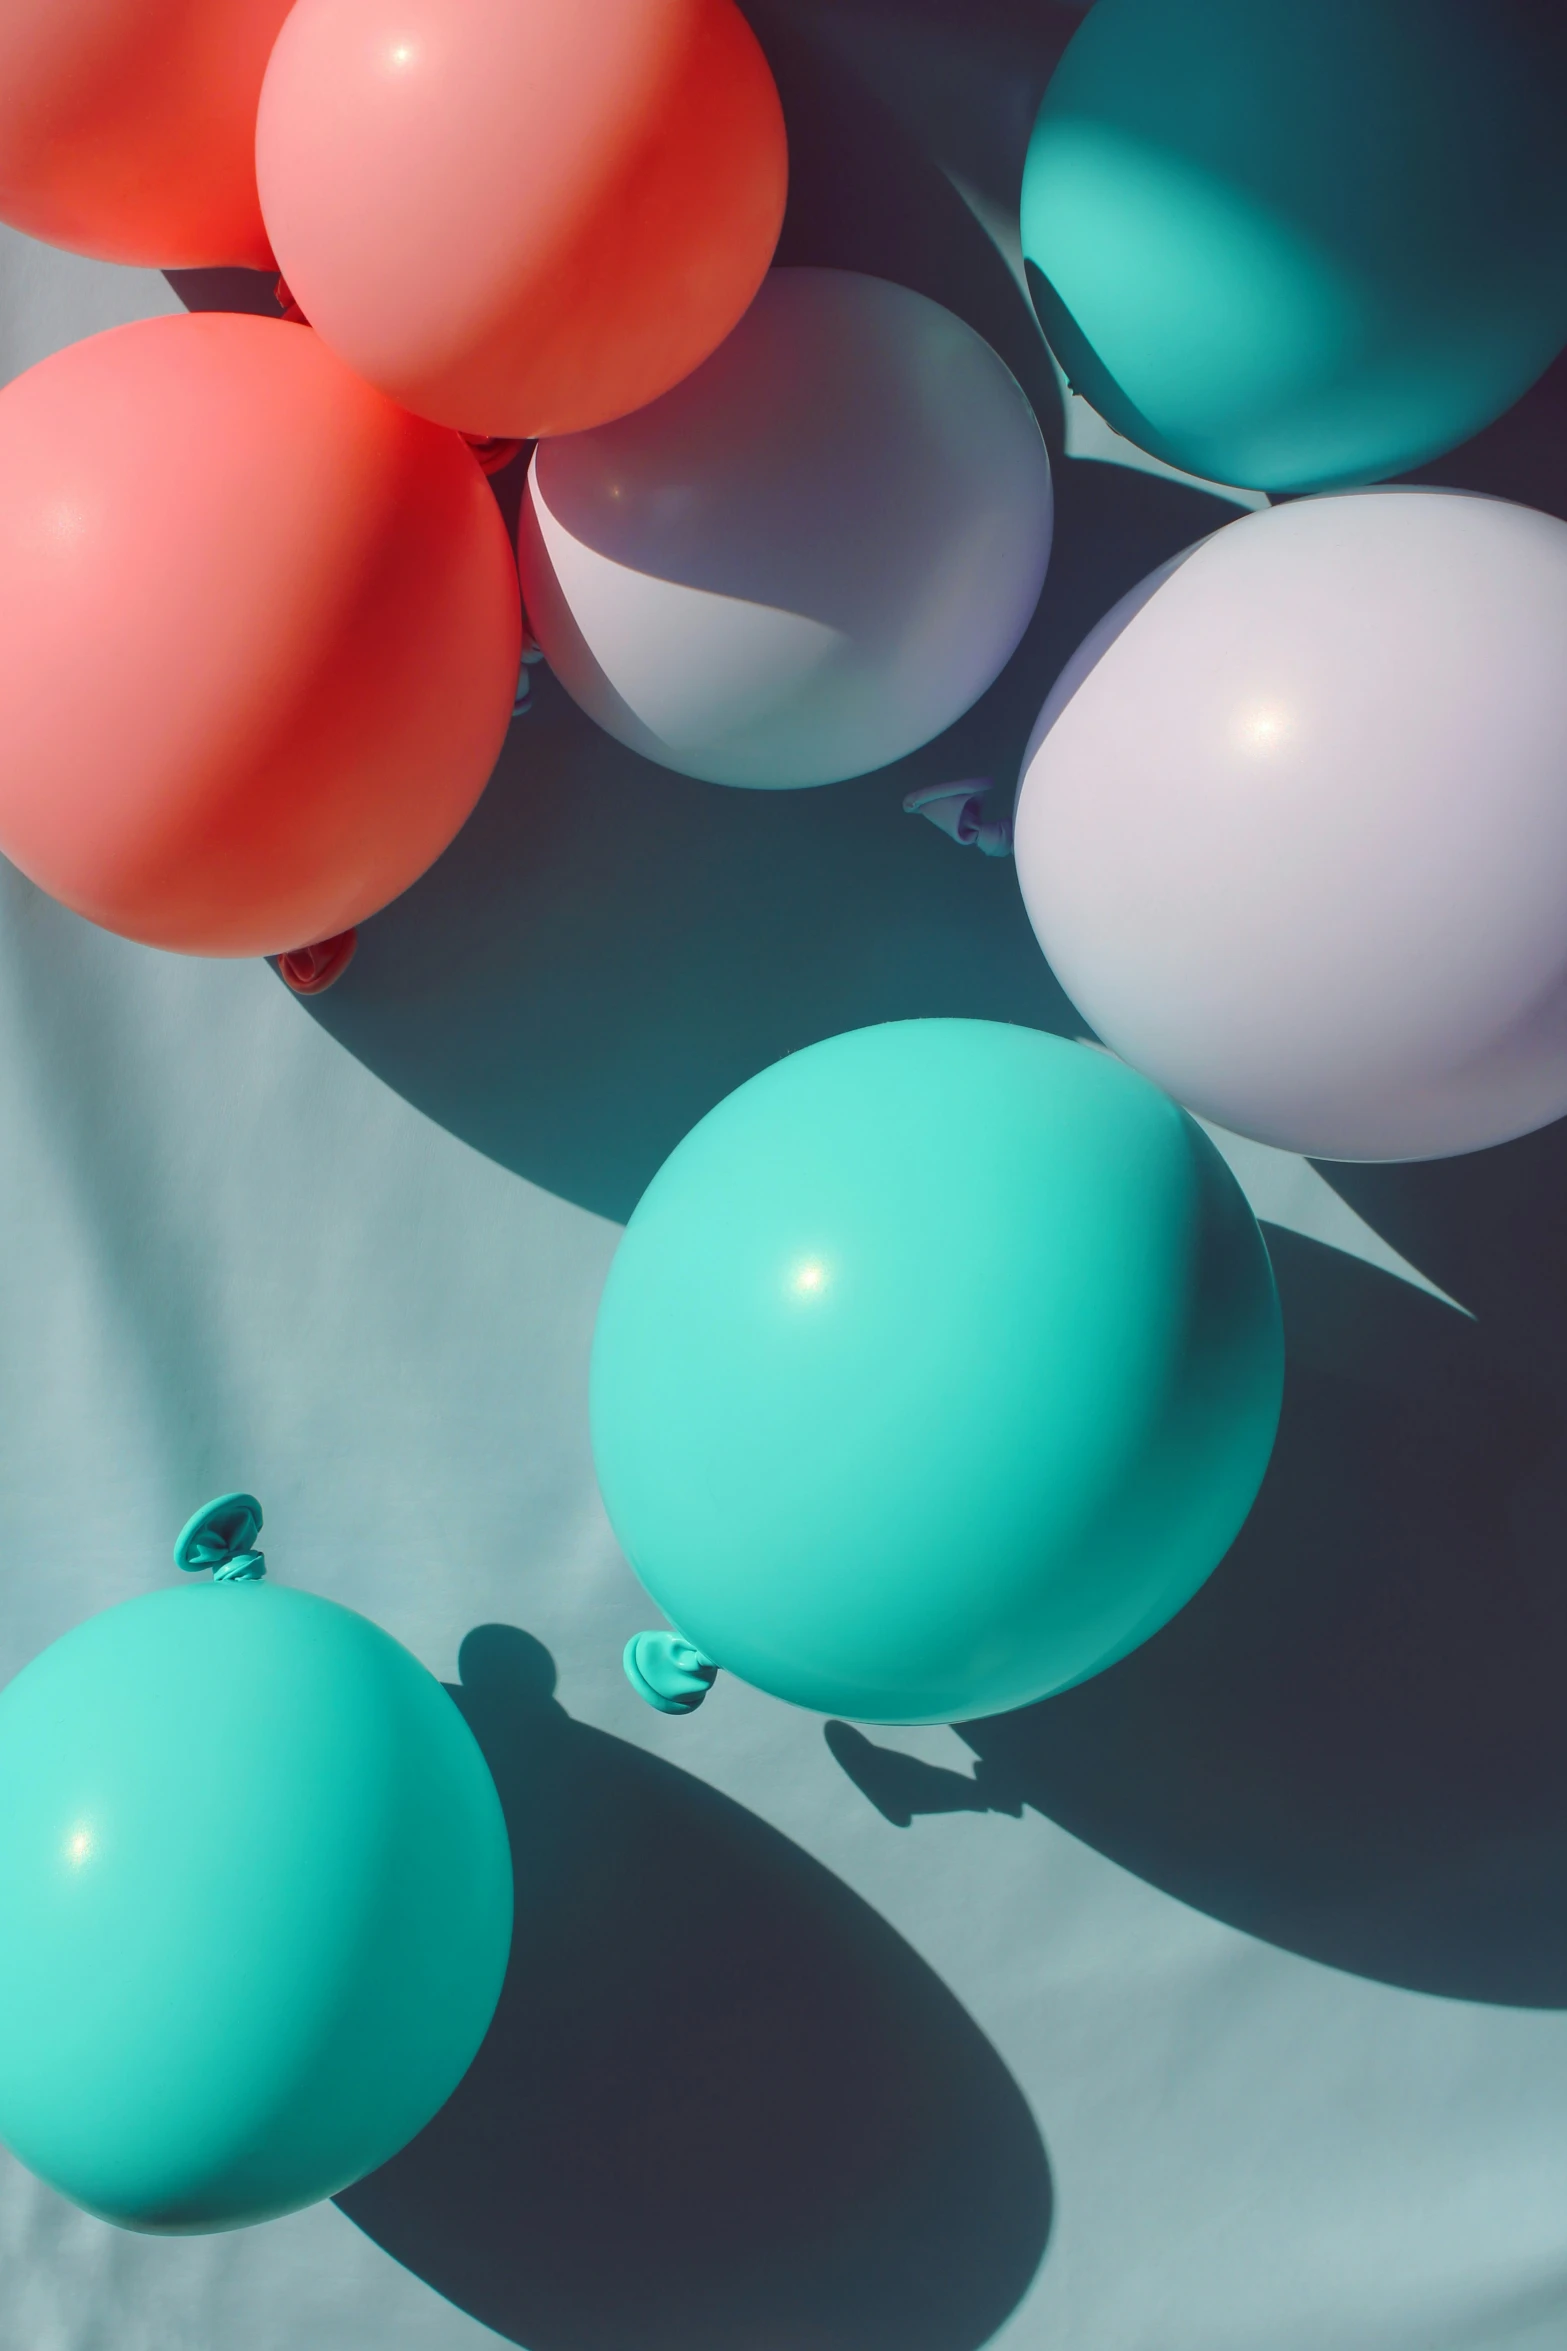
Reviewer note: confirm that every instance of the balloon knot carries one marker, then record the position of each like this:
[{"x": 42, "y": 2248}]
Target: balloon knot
[
  {"x": 493, "y": 450},
  {"x": 311, "y": 970},
  {"x": 958, "y": 810},
  {"x": 522, "y": 702},
  {"x": 289, "y": 307},
  {"x": 222, "y": 1537},
  {"x": 667, "y": 1672}
]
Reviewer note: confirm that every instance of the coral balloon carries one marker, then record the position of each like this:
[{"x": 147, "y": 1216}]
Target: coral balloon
[
  {"x": 807, "y": 559},
  {"x": 517, "y": 217},
  {"x": 937, "y": 1367},
  {"x": 128, "y": 127},
  {"x": 255, "y": 1898},
  {"x": 1293, "y": 827},
  {"x": 1298, "y": 243},
  {"x": 259, "y": 635}
]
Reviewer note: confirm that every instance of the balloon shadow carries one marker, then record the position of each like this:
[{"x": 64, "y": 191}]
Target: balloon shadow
[
  {"x": 903, "y": 1788},
  {"x": 253, "y": 291},
  {"x": 607, "y": 948},
  {"x": 722, "y": 2102},
  {"x": 1352, "y": 1742},
  {"x": 1523, "y": 456},
  {"x": 965, "y": 77},
  {"x": 868, "y": 191}
]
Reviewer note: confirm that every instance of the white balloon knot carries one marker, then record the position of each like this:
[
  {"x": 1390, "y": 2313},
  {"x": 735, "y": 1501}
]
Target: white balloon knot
[{"x": 958, "y": 810}]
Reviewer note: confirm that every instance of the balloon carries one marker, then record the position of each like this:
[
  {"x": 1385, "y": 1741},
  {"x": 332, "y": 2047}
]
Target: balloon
[
  {"x": 1293, "y": 829},
  {"x": 810, "y": 557},
  {"x": 128, "y": 127},
  {"x": 255, "y": 1898},
  {"x": 1295, "y": 243},
  {"x": 518, "y": 217},
  {"x": 937, "y": 1367},
  {"x": 259, "y": 634}
]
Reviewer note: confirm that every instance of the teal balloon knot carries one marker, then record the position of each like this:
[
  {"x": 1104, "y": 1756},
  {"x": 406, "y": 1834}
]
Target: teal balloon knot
[
  {"x": 222, "y": 1537},
  {"x": 522, "y": 701},
  {"x": 667, "y": 1672}
]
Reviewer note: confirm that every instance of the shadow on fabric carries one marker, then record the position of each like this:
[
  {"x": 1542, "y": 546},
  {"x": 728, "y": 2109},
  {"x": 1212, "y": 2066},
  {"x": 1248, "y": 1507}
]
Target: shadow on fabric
[
  {"x": 1352, "y": 1742},
  {"x": 607, "y": 948},
  {"x": 722, "y": 2104},
  {"x": 1523, "y": 456}
]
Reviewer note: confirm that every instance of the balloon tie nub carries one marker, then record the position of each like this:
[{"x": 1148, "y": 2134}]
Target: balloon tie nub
[
  {"x": 309, "y": 971},
  {"x": 958, "y": 810},
  {"x": 222, "y": 1537},
  {"x": 532, "y": 655},
  {"x": 667, "y": 1672},
  {"x": 289, "y": 307}
]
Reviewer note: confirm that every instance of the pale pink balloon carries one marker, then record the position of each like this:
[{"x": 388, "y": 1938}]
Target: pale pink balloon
[{"x": 521, "y": 216}]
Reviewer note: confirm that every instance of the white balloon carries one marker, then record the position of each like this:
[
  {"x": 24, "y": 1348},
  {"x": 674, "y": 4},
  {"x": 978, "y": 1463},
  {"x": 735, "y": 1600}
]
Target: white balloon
[
  {"x": 1292, "y": 828},
  {"x": 808, "y": 558}
]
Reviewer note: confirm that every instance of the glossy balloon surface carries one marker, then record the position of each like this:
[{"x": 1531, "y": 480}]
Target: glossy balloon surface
[
  {"x": 128, "y": 127},
  {"x": 809, "y": 558},
  {"x": 518, "y": 217},
  {"x": 259, "y": 634},
  {"x": 937, "y": 1368},
  {"x": 1296, "y": 243},
  {"x": 1293, "y": 833},
  {"x": 255, "y": 1905}
]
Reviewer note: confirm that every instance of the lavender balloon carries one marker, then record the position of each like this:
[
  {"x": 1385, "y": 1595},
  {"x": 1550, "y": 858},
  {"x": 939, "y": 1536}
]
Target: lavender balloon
[
  {"x": 1293, "y": 826},
  {"x": 811, "y": 556}
]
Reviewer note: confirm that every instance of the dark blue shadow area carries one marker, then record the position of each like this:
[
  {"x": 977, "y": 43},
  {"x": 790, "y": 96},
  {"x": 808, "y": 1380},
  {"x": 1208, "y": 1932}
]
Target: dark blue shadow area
[
  {"x": 722, "y": 2107},
  {"x": 964, "y": 77},
  {"x": 1352, "y": 1742},
  {"x": 252, "y": 291},
  {"x": 1523, "y": 456},
  {"x": 903, "y": 1789},
  {"x": 868, "y": 190},
  {"x": 607, "y": 949}
]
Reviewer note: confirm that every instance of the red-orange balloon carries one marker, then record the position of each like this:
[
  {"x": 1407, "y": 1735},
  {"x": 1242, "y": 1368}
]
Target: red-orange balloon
[
  {"x": 128, "y": 127},
  {"x": 259, "y": 635},
  {"x": 521, "y": 216}
]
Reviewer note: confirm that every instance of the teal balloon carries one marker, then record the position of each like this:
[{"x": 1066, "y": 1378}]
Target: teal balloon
[
  {"x": 255, "y": 1905},
  {"x": 1298, "y": 243},
  {"x": 937, "y": 1367}
]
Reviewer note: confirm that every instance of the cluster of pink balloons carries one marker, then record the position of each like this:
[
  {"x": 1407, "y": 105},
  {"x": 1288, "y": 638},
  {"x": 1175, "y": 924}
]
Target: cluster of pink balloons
[{"x": 259, "y": 620}]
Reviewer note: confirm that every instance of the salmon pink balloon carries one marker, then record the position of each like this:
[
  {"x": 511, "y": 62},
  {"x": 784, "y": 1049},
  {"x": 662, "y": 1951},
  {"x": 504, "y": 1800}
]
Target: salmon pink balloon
[
  {"x": 128, "y": 127},
  {"x": 519, "y": 217},
  {"x": 259, "y": 635}
]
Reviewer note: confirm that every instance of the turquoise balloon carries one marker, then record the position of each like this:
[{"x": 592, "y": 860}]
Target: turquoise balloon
[
  {"x": 1300, "y": 243},
  {"x": 255, "y": 1904},
  {"x": 937, "y": 1368}
]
